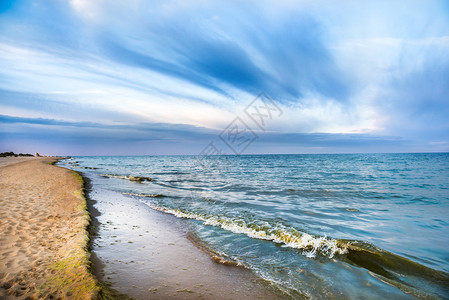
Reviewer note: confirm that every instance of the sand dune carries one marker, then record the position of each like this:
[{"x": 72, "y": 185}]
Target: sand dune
[{"x": 43, "y": 234}]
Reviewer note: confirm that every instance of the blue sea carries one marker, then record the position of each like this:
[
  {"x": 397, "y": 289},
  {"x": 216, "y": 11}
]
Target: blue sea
[{"x": 314, "y": 226}]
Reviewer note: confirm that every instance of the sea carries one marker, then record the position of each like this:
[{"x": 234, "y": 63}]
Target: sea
[{"x": 314, "y": 226}]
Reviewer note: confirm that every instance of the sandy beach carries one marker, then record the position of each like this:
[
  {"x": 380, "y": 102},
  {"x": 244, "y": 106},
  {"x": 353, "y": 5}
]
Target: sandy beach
[
  {"x": 140, "y": 252},
  {"x": 43, "y": 232}
]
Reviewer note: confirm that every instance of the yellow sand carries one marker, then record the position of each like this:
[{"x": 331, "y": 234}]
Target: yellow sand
[{"x": 43, "y": 236}]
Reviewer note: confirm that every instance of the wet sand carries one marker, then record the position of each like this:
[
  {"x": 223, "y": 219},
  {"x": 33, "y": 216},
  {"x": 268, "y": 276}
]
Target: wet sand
[
  {"x": 141, "y": 252},
  {"x": 146, "y": 254},
  {"x": 43, "y": 235}
]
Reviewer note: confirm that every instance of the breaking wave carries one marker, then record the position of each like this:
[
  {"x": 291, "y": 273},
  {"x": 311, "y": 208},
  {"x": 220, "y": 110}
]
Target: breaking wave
[
  {"x": 394, "y": 269},
  {"x": 310, "y": 245}
]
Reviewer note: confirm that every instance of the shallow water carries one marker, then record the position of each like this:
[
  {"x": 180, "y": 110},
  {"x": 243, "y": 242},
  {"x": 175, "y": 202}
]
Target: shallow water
[
  {"x": 354, "y": 225},
  {"x": 145, "y": 254}
]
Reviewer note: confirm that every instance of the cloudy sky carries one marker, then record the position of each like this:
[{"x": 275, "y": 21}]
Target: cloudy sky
[{"x": 104, "y": 77}]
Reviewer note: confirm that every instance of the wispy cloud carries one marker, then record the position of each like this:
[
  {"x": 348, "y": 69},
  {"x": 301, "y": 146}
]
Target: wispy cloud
[{"x": 369, "y": 69}]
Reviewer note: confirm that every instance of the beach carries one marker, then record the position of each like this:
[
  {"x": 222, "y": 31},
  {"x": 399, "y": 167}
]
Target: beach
[
  {"x": 142, "y": 253},
  {"x": 154, "y": 227},
  {"x": 43, "y": 232}
]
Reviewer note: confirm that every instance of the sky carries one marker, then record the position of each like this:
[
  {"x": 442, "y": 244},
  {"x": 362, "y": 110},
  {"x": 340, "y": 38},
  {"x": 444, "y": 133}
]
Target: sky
[{"x": 136, "y": 77}]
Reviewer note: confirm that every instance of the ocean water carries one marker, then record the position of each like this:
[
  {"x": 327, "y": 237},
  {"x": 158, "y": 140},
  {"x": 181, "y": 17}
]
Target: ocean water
[{"x": 336, "y": 226}]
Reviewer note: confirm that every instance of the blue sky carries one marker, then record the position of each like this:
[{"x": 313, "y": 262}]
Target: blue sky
[{"x": 102, "y": 77}]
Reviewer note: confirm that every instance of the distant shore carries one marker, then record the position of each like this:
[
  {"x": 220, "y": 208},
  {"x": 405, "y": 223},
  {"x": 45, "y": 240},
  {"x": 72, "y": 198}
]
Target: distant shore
[{"x": 43, "y": 236}]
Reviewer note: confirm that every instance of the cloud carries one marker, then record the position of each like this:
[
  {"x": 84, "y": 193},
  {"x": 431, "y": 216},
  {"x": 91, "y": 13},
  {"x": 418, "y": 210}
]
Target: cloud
[
  {"x": 79, "y": 137},
  {"x": 418, "y": 90},
  {"x": 135, "y": 131},
  {"x": 54, "y": 136},
  {"x": 234, "y": 47},
  {"x": 121, "y": 54},
  {"x": 370, "y": 69},
  {"x": 285, "y": 58},
  {"x": 172, "y": 136}
]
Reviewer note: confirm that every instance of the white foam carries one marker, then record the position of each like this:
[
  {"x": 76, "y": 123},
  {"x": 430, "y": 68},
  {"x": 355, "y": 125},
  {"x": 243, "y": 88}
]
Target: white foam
[
  {"x": 114, "y": 176},
  {"x": 146, "y": 195},
  {"x": 290, "y": 238}
]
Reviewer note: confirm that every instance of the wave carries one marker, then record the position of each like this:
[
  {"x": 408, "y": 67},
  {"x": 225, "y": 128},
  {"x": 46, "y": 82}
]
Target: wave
[
  {"x": 310, "y": 245},
  {"x": 130, "y": 177},
  {"x": 87, "y": 168},
  {"x": 221, "y": 258},
  {"x": 146, "y": 195},
  {"x": 113, "y": 176},
  {"x": 409, "y": 276},
  {"x": 171, "y": 173},
  {"x": 399, "y": 271},
  {"x": 217, "y": 257}
]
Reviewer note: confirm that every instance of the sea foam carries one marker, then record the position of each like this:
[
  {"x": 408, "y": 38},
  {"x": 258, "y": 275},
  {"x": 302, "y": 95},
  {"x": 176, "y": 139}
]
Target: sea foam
[{"x": 310, "y": 245}]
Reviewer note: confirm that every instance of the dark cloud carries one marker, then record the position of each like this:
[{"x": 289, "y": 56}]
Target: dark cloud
[
  {"x": 175, "y": 138},
  {"x": 136, "y": 131}
]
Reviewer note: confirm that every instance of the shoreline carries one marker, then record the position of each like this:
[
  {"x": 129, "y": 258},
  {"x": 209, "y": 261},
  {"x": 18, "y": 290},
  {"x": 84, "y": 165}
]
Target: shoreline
[
  {"x": 144, "y": 253},
  {"x": 44, "y": 245},
  {"x": 106, "y": 291},
  {"x": 52, "y": 234}
]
